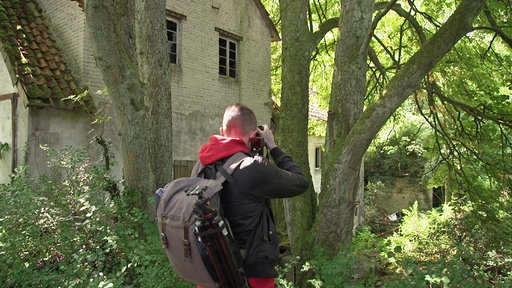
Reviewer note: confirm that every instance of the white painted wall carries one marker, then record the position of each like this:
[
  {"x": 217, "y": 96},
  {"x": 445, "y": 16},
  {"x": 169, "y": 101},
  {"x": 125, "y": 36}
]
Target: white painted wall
[
  {"x": 199, "y": 94},
  {"x": 6, "y": 88},
  {"x": 6, "y": 85},
  {"x": 5, "y": 137},
  {"x": 55, "y": 128},
  {"x": 316, "y": 173},
  {"x": 22, "y": 117}
]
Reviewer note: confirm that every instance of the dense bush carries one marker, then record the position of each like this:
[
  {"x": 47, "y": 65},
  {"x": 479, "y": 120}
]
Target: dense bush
[
  {"x": 451, "y": 247},
  {"x": 437, "y": 248},
  {"x": 69, "y": 230}
]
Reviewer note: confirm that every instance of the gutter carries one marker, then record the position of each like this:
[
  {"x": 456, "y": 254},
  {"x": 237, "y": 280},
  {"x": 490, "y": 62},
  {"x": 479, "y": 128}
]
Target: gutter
[{"x": 14, "y": 118}]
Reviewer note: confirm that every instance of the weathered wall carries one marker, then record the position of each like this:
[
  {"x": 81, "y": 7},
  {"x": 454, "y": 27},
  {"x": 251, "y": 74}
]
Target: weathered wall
[
  {"x": 6, "y": 90},
  {"x": 55, "y": 128},
  {"x": 22, "y": 123},
  {"x": 5, "y": 137},
  {"x": 199, "y": 93},
  {"x": 68, "y": 25},
  {"x": 67, "y": 22},
  {"x": 401, "y": 192}
]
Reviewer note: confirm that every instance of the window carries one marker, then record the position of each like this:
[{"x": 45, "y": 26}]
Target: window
[
  {"x": 228, "y": 53},
  {"x": 172, "y": 40},
  {"x": 318, "y": 157},
  {"x": 227, "y": 57},
  {"x": 173, "y": 26}
]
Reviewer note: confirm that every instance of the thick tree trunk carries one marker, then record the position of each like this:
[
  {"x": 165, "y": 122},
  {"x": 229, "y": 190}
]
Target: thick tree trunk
[
  {"x": 130, "y": 51},
  {"x": 341, "y": 184},
  {"x": 153, "y": 63},
  {"x": 346, "y": 152},
  {"x": 293, "y": 137}
]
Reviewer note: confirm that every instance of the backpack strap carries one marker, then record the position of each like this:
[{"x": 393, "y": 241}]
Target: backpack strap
[{"x": 223, "y": 172}]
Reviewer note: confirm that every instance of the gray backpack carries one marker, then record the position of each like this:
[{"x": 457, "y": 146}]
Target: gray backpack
[{"x": 195, "y": 236}]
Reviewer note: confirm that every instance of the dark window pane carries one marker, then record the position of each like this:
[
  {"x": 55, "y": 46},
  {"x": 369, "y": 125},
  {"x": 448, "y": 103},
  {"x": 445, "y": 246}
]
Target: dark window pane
[
  {"x": 222, "y": 70},
  {"x": 172, "y": 38},
  {"x": 227, "y": 57},
  {"x": 171, "y": 25}
]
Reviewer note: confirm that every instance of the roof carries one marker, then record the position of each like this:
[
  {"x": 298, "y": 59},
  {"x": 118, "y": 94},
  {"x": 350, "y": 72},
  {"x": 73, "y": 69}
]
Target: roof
[
  {"x": 266, "y": 17},
  {"x": 35, "y": 58}
]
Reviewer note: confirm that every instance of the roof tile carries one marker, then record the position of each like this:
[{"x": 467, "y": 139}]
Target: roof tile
[{"x": 37, "y": 59}]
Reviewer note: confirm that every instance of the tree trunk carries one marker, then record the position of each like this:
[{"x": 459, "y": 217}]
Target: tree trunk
[
  {"x": 293, "y": 118},
  {"x": 339, "y": 178},
  {"x": 348, "y": 91},
  {"x": 129, "y": 47},
  {"x": 153, "y": 62}
]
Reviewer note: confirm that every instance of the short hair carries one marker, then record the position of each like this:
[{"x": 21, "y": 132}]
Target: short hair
[{"x": 238, "y": 117}]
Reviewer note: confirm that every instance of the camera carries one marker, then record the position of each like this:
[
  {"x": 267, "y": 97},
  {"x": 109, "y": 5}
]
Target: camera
[{"x": 257, "y": 144}]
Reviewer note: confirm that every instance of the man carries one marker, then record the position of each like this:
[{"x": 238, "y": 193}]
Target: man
[{"x": 246, "y": 202}]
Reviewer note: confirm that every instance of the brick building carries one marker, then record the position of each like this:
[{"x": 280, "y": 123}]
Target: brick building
[{"x": 219, "y": 53}]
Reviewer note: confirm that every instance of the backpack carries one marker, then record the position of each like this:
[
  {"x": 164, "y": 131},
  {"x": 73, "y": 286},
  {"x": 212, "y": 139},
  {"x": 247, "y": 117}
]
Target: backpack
[{"x": 197, "y": 239}]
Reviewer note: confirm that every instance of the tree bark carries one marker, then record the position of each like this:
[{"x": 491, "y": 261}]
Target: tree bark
[
  {"x": 153, "y": 63},
  {"x": 129, "y": 48},
  {"x": 293, "y": 118},
  {"x": 346, "y": 152},
  {"x": 341, "y": 179}
]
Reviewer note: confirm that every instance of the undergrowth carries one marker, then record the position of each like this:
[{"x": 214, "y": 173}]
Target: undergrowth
[
  {"x": 449, "y": 247},
  {"x": 73, "y": 229},
  {"x": 68, "y": 229}
]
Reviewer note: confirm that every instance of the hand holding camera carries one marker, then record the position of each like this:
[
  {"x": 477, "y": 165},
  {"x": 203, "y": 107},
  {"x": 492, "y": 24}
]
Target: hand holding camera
[
  {"x": 265, "y": 132},
  {"x": 263, "y": 138}
]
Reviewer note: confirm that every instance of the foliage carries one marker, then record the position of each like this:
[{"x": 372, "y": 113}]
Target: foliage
[
  {"x": 3, "y": 147},
  {"x": 449, "y": 248},
  {"x": 373, "y": 213},
  {"x": 317, "y": 127},
  {"x": 400, "y": 147},
  {"x": 69, "y": 230},
  {"x": 357, "y": 265}
]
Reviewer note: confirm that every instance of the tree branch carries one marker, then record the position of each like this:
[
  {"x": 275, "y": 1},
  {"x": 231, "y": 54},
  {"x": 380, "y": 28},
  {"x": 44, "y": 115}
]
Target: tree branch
[
  {"x": 496, "y": 28},
  {"x": 408, "y": 78}
]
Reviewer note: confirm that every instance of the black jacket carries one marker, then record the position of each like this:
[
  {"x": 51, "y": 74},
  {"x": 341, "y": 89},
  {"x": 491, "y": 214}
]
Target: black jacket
[{"x": 246, "y": 206}]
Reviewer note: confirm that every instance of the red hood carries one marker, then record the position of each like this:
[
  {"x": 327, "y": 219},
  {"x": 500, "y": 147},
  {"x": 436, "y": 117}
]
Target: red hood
[{"x": 220, "y": 147}]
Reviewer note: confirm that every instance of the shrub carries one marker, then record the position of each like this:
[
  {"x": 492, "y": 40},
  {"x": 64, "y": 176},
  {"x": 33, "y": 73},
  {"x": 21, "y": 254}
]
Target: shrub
[
  {"x": 448, "y": 248},
  {"x": 357, "y": 265},
  {"x": 68, "y": 229}
]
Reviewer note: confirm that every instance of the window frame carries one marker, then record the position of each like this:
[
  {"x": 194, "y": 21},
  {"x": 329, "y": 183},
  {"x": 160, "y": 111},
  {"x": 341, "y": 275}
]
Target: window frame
[
  {"x": 229, "y": 54},
  {"x": 177, "y": 19},
  {"x": 318, "y": 157}
]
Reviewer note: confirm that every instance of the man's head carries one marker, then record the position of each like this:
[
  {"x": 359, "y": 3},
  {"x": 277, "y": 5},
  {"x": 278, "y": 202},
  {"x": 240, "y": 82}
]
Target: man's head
[{"x": 239, "y": 122}]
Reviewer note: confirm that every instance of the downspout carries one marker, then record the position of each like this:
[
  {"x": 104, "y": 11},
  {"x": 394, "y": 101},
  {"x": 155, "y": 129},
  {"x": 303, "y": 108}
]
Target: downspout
[{"x": 14, "y": 119}]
